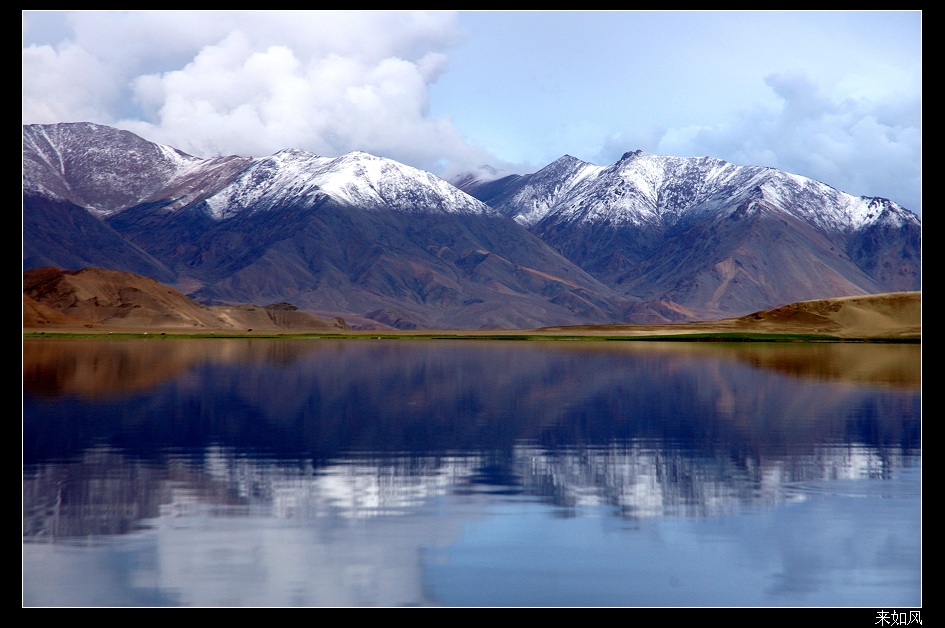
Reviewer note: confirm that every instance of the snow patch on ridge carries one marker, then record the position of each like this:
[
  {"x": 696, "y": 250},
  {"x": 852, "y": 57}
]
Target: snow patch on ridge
[
  {"x": 556, "y": 181},
  {"x": 824, "y": 206},
  {"x": 178, "y": 159}
]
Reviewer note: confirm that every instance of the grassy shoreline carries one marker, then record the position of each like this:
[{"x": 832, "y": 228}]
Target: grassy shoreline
[{"x": 894, "y": 317}]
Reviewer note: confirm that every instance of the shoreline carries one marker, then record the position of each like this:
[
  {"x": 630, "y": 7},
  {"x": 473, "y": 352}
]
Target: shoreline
[{"x": 530, "y": 335}]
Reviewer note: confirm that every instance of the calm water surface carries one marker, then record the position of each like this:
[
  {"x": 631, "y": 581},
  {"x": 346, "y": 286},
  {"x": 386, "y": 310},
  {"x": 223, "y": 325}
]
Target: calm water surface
[{"x": 260, "y": 472}]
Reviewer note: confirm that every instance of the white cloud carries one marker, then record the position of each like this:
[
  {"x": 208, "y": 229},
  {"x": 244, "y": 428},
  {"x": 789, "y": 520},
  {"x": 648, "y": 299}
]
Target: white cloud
[
  {"x": 529, "y": 86},
  {"x": 252, "y": 83},
  {"x": 852, "y": 144},
  {"x": 64, "y": 85}
]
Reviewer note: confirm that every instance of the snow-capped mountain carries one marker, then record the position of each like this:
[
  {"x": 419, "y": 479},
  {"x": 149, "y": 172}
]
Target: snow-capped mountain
[
  {"x": 647, "y": 239},
  {"x": 712, "y": 236},
  {"x": 358, "y": 236}
]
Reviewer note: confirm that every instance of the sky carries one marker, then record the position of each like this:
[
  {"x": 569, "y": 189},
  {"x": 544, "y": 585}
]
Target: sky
[{"x": 831, "y": 95}]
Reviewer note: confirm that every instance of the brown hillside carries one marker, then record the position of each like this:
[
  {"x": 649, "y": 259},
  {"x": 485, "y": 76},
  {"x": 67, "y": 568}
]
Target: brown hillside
[
  {"x": 99, "y": 299},
  {"x": 94, "y": 299},
  {"x": 891, "y": 315}
]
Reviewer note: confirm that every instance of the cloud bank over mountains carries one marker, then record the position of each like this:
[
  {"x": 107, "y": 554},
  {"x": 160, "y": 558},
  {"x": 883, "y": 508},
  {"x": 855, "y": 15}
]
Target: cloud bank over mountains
[
  {"x": 253, "y": 83},
  {"x": 832, "y": 96}
]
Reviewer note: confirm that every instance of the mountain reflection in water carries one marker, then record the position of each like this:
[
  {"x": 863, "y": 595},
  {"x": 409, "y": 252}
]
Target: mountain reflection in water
[{"x": 120, "y": 435}]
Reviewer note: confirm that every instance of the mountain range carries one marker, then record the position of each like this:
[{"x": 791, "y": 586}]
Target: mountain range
[{"x": 647, "y": 239}]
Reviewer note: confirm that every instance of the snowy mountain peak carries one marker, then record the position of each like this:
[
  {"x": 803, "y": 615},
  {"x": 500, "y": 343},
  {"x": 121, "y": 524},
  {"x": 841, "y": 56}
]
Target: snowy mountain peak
[
  {"x": 359, "y": 178},
  {"x": 355, "y": 178},
  {"x": 567, "y": 166}
]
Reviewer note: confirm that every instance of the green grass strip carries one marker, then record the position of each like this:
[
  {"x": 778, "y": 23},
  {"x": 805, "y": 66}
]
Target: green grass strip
[{"x": 694, "y": 337}]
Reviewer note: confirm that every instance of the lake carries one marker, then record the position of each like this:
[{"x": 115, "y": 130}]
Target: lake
[{"x": 314, "y": 472}]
